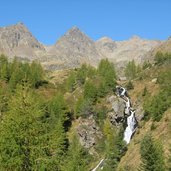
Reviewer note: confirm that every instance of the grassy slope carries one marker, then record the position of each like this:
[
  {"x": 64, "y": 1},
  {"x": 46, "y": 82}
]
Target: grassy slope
[
  {"x": 131, "y": 160},
  {"x": 162, "y": 132}
]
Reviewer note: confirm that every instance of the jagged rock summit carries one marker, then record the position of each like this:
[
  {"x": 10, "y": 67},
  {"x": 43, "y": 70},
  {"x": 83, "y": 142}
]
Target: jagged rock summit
[
  {"x": 16, "y": 40},
  {"x": 124, "y": 51},
  {"x": 72, "y": 49}
]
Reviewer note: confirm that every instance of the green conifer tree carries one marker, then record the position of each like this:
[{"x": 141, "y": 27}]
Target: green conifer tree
[
  {"x": 21, "y": 130},
  {"x": 115, "y": 147},
  {"x": 151, "y": 155},
  {"x": 77, "y": 157}
]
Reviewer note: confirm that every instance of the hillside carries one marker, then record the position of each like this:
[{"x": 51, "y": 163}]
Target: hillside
[
  {"x": 50, "y": 119},
  {"x": 84, "y": 110}
]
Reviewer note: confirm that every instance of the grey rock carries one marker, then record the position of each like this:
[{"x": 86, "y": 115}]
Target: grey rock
[
  {"x": 111, "y": 99},
  {"x": 116, "y": 115},
  {"x": 154, "y": 80},
  {"x": 124, "y": 51},
  {"x": 72, "y": 49},
  {"x": 140, "y": 113},
  {"x": 122, "y": 78},
  {"x": 118, "y": 107},
  {"x": 88, "y": 132},
  {"x": 16, "y": 40}
]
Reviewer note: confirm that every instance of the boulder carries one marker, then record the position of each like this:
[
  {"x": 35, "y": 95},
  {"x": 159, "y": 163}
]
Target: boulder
[
  {"x": 139, "y": 113},
  {"x": 118, "y": 107},
  {"x": 116, "y": 115},
  {"x": 154, "y": 80},
  {"x": 122, "y": 78},
  {"x": 88, "y": 132}
]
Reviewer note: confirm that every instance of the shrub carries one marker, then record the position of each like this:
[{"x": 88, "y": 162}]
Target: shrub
[{"x": 129, "y": 85}]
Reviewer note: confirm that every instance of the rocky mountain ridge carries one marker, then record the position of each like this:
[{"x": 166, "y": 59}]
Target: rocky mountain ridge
[
  {"x": 73, "y": 48},
  {"x": 17, "y": 40}
]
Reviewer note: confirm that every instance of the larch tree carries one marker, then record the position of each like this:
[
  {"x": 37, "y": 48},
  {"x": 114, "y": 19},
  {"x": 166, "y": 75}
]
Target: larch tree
[{"x": 151, "y": 155}]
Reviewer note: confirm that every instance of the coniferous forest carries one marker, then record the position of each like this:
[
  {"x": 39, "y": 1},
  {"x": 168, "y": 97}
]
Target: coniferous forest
[{"x": 37, "y": 116}]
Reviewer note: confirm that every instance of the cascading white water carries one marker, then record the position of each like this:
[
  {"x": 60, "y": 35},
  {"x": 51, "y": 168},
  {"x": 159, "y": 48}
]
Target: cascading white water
[
  {"x": 131, "y": 127},
  {"x": 127, "y": 106},
  {"x": 131, "y": 120}
]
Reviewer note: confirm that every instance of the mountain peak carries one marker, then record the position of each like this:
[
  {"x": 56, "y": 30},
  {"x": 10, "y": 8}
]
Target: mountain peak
[
  {"x": 75, "y": 36},
  {"x": 105, "y": 39},
  {"x": 74, "y": 28},
  {"x": 17, "y": 40},
  {"x": 135, "y": 37},
  {"x": 20, "y": 24},
  {"x": 74, "y": 31}
]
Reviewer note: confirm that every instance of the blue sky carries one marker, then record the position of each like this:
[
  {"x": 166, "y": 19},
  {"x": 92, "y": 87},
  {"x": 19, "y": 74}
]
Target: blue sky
[{"x": 117, "y": 19}]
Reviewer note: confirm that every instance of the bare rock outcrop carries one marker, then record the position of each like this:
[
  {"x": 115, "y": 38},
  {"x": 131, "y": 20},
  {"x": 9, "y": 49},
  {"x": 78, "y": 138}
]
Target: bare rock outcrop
[
  {"x": 16, "y": 40},
  {"x": 88, "y": 132},
  {"x": 124, "y": 51},
  {"x": 116, "y": 115},
  {"x": 73, "y": 48}
]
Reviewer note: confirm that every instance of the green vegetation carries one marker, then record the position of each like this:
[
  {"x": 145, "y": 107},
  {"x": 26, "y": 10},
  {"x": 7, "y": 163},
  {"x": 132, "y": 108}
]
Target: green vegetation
[
  {"x": 115, "y": 147},
  {"x": 145, "y": 91},
  {"x": 71, "y": 82},
  {"x": 155, "y": 106},
  {"x": 77, "y": 158},
  {"x": 34, "y": 129},
  {"x": 96, "y": 83},
  {"x": 146, "y": 64},
  {"x": 132, "y": 70},
  {"x": 129, "y": 85},
  {"x": 162, "y": 58},
  {"x": 83, "y": 108},
  {"x": 15, "y": 72},
  {"x": 28, "y": 141},
  {"x": 151, "y": 155}
]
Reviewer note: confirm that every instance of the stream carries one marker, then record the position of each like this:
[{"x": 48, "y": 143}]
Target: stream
[{"x": 131, "y": 121}]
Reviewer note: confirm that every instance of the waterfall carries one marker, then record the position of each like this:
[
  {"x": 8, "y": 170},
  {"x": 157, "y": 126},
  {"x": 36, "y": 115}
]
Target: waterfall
[
  {"x": 131, "y": 127},
  {"x": 130, "y": 114},
  {"x": 130, "y": 117},
  {"x": 127, "y": 106}
]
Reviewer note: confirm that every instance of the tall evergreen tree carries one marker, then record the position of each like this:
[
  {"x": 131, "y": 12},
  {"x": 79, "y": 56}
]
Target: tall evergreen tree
[
  {"x": 77, "y": 157},
  {"x": 36, "y": 74},
  {"x": 151, "y": 155},
  {"x": 90, "y": 91},
  {"x": 106, "y": 70},
  {"x": 71, "y": 81},
  {"x": 21, "y": 131},
  {"x": 82, "y": 74},
  {"x": 115, "y": 147},
  {"x": 132, "y": 70},
  {"x": 4, "y": 69}
]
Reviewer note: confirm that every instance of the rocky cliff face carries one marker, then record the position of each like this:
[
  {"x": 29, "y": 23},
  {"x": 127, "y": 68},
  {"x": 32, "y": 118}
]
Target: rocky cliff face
[
  {"x": 16, "y": 40},
  {"x": 123, "y": 51},
  {"x": 72, "y": 49},
  {"x": 164, "y": 47}
]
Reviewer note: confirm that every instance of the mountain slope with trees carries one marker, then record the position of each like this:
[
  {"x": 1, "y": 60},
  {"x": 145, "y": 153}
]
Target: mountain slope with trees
[{"x": 67, "y": 125}]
